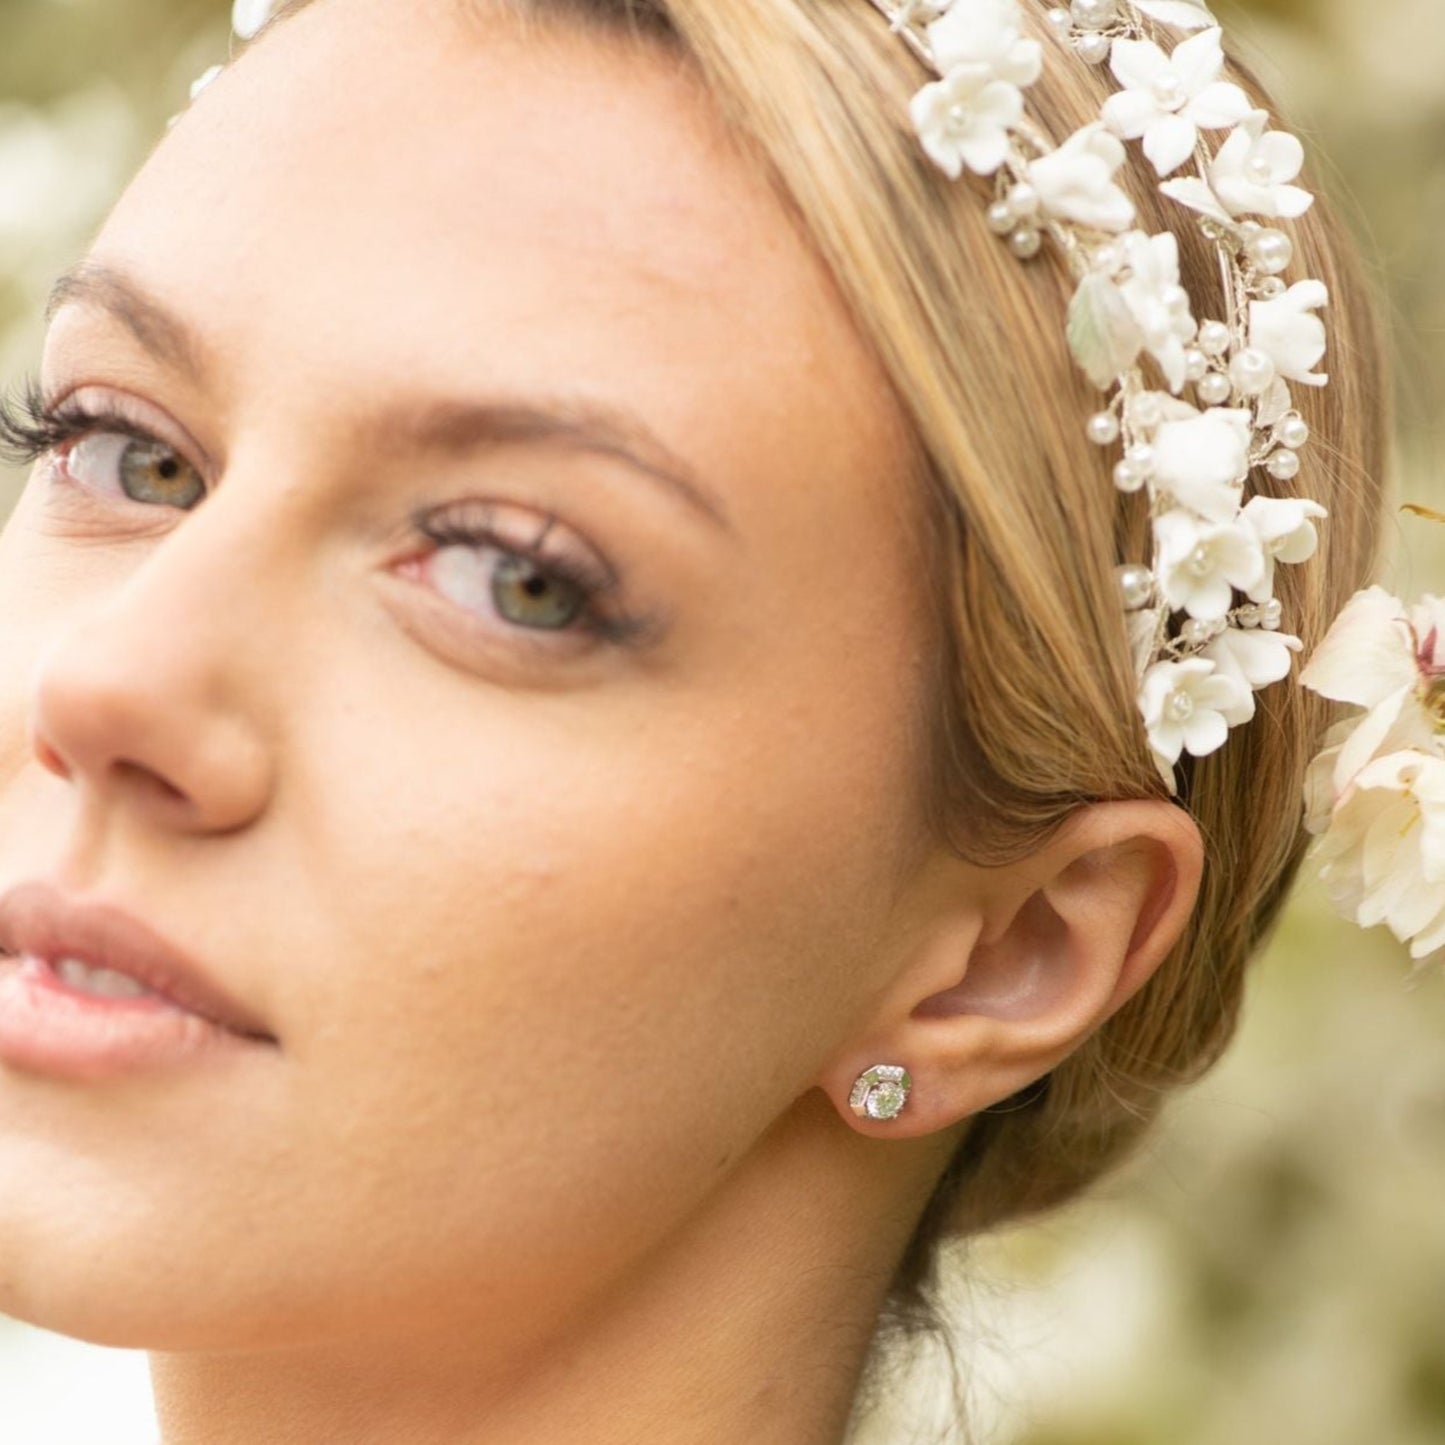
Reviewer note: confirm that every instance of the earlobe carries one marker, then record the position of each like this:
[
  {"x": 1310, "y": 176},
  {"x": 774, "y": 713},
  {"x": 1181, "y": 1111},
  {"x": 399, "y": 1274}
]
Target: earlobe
[{"x": 1006, "y": 989}]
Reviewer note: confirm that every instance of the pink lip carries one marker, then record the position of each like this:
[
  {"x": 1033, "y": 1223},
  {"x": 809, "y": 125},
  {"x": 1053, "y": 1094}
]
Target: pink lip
[{"x": 49, "y": 1027}]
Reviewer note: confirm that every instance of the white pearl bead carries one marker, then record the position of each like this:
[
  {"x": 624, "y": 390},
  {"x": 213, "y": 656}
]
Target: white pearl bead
[
  {"x": 1141, "y": 457},
  {"x": 1168, "y": 90},
  {"x": 1001, "y": 220},
  {"x": 1059, "y": 20},
  {"x": 1292, "y": 430},
  {"x": 1271, "y": 251},
  {"x": 1095, "y": 48},
  {"x": 1023, "y": 200},
  {"x": 1176, "y": 300},
  {"x": 1127, "y": 477},
  {"x": 1108, "y": 258},
  {"x": 1025, "y": 242},
  {"x": 1094, "y": 14},
  {"x": 1249, "y": 228},
  {"x": 1146, "y": 411},
  {"x": 1270, "y": 287},
  {"x": 1201, "y": 561},
  {"x": 1273, "y": 615},
  {"x": 1252, "y": 371},
  {"x": 1196, "y": 363},
  {"x": 1103, "y": 428},
  {"x": 1258, "y": 169},
  {"x": 1214, "y": 388},
  {"x": 1283, "y": 464},
  {"x": 1136, "y": 585},
  {"x": 1196, "y": 632},
  {"x": 1179, "y": 707},
  {"x": 1213, "y": 338}
]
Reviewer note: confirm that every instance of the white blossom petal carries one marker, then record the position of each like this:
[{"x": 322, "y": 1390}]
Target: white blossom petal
[
  {"x": 1076, "y": 181},
  {"x": 1367, "y": 654},
  {"x": 1289, "y": 334},
  {"x": 1202, "y": 460},
  {"x": 1286, "y": 533},
  {"x": 1200, "y": 563}
]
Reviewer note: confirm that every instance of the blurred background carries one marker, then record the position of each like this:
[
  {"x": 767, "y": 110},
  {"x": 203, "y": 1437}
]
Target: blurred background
[{"x": 1270, "y": 1269}]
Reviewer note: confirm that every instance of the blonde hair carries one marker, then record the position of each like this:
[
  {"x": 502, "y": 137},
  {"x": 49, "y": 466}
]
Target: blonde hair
[{"x": 1033, "y": 704}]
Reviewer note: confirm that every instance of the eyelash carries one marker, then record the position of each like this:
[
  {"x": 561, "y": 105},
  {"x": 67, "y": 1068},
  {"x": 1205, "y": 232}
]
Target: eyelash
[{"x": 30, "y": 429}]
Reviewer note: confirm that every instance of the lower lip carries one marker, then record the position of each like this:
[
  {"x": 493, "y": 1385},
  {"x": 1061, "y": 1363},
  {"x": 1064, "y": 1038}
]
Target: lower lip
[{"x": 47, "y": 1027}]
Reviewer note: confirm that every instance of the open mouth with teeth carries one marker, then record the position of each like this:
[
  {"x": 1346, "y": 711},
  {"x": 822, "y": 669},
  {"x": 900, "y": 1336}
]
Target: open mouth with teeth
[{"x": 88, "y": 979}]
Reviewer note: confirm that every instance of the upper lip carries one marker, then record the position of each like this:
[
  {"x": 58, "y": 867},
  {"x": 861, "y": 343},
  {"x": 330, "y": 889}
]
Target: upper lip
[{"x": 38, "y": 918}]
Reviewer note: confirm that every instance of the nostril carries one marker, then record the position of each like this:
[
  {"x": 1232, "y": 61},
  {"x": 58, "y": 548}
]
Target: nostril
[
  {"x": 148, "y": 777},
  {"x": 51, "y": 759}
]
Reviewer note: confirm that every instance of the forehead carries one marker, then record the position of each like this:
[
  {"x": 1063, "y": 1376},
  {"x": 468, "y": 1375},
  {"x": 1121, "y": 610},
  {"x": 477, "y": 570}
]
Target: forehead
[{"x": 377, "y": 188}]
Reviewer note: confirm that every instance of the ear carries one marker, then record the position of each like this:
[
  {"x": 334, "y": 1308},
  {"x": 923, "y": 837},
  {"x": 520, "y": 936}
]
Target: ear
[{"x": 1008, "y": 970}]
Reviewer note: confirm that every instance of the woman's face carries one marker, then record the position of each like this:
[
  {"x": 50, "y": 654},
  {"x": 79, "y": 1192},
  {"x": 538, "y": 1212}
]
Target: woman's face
[{"x": 551, "y": 911}]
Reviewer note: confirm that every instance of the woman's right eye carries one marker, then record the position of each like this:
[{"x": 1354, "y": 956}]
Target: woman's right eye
[{"x": 144, "y": 469}]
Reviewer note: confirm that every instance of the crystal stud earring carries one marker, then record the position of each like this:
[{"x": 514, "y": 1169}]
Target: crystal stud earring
[{"x": 880, "y": 1092}]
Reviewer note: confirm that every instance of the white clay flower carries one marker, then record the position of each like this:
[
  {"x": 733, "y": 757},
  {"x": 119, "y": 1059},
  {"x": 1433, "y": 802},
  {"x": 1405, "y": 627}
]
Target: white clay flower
[
  {"x": 1255, "y": 658},
  {"x": 1382, "y": 656},
  {"x": 1201, "y": 458},
  {"x": 1183, "y": 704},
  {"x": 1285, "y": 532},
  {"x": 1288, "y": 332},
  {"x": 1251, "y": 171},
  {"x": 1076, "y": 181},
  {"x": 964, "y": 119},
  {"x": 986, "y": 32},
  {"x": 1200, "y": 563},
  {"x": 204, "y": 79},
  {"x": 1167, "y": 97},
  {"x": 1158, "y": 302},
  {"x": 249, "y": 16},
  {"x": 1382, "y": 855}
]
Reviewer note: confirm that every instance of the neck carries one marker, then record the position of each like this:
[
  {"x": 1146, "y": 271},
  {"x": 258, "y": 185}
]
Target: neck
[{"x": 751, "y": 1322}]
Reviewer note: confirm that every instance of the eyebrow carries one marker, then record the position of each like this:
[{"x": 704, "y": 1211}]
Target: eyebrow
[{"x": 435, "y": 424}]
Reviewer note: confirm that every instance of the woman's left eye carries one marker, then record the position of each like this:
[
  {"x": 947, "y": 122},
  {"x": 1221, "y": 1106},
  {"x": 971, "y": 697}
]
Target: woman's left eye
[{"x": 144, "y": 469}]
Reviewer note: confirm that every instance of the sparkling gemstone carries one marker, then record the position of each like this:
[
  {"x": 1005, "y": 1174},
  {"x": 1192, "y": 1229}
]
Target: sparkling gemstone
[{"x": 885, "y": 1100}]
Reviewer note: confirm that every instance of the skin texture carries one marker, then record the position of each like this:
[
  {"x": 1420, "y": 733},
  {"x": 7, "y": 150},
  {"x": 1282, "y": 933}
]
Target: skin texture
[{"x": 571, "y": 949}]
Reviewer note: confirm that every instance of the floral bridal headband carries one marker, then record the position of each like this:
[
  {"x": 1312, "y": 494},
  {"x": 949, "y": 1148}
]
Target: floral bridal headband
[{"x": 1221, "y": 404}]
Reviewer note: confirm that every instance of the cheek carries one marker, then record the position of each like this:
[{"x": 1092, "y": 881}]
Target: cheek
[{"x": 588, "y": 959}]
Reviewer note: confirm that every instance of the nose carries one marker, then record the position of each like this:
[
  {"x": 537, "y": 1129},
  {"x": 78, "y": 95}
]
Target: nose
[{"x": 139, "y": 701}]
